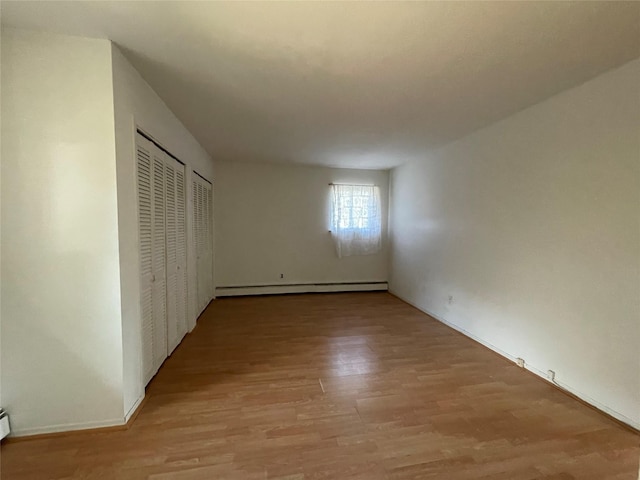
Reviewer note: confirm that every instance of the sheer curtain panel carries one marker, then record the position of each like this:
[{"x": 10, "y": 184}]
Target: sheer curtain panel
[{"x": 356, "y": 220}]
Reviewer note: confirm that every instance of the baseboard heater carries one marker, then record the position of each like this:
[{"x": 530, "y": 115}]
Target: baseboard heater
[
  {"x": 4, "y": 424},
  {"x": 238, "y": 290}
]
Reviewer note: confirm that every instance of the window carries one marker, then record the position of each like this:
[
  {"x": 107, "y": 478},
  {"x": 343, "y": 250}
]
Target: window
[{"x": 356, "y": 221}]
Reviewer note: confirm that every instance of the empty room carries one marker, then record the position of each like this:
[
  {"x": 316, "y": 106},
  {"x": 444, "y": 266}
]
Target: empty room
[{"x": 320, "y": 240}]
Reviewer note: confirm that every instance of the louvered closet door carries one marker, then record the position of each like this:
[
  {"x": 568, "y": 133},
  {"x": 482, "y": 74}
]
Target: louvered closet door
[
  {"x": 145, "y": 229},
  {"x": 181, "y": 252},
  {"x": 159, "y": 261},
  {"x": 176, "y": 252},
  {"x": 171, "y": 250},
  {"x": 202, "y": 288},
  {"x": 208, "y": 199},
  {"x": 197, "y": 235},
  {"x": 163, "y": 253},
  {"x": 203, "y": 235}
]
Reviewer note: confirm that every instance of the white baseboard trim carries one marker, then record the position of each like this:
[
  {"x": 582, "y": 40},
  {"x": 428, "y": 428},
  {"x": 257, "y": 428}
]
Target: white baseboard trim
[
  {"x": 135, "y": 406},
  {"x": 231, "y": 291},
  {"x": 66, "y": 427},
  {"x": 537, "y": 371}
]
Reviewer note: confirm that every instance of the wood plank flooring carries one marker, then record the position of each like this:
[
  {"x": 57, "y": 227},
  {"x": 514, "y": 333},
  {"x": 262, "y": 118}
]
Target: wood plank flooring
[{"x": 338, "y": 386}]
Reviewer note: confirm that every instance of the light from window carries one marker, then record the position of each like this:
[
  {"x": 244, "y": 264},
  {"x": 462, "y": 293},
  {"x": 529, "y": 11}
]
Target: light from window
[{"x": 356, "y": 221}]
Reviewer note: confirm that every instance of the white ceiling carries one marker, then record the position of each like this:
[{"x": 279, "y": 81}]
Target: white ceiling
[{"x": 365, "y": 85}]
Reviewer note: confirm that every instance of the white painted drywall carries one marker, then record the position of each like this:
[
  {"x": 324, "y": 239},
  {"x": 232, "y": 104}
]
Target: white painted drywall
[
  {"x": 273, "y": 219},
  {"x": 137, "y": 105},
  {"x": 60, "y": 318},
  {"x": 532, "y": 225}
]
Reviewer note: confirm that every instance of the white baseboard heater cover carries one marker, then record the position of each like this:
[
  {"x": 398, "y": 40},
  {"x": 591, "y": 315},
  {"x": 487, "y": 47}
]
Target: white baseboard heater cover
[
  {"x": 239, "y": 290},
  {"x": 5, "y": 429}
]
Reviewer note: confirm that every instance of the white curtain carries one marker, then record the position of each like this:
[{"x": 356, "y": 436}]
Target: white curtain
[{"x": 356, "y": 220}]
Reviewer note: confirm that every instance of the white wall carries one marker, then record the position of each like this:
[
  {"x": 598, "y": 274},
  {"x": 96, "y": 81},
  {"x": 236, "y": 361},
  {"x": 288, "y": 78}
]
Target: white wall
[
  {"x": 137, "y": 105},
  {"x": 273, "y": 219},
  {"x": 532, "y": 225},
  {"x": 61, "y": 323}
]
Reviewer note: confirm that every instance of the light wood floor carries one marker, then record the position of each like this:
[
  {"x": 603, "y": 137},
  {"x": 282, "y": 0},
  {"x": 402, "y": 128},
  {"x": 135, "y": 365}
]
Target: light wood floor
[{"x": 339, "y": 386}]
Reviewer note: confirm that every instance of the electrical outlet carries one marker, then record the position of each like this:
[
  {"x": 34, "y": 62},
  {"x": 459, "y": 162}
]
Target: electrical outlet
[
  {"x": 551, "y": 375},
  {"x": 282, "y": 275},
  {"x": 450, "y": 299},
  {"x": 520, "y": 362}
]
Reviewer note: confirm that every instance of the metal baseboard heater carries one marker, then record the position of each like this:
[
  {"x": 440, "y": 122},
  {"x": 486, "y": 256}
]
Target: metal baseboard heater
[
  {"x": 4, "y": 424},
  {"x": 239, "y": 290}
]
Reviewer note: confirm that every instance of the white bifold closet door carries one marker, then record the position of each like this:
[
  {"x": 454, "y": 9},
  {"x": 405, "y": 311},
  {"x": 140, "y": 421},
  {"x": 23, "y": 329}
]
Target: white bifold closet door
[
  {"x": 159, "y": 278},
  {"x": 203, "y": 238},
  {"x": 162, "y": 233},
  {"x": 176, "y": 252},
  {"x": 145, "y": 228}
]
